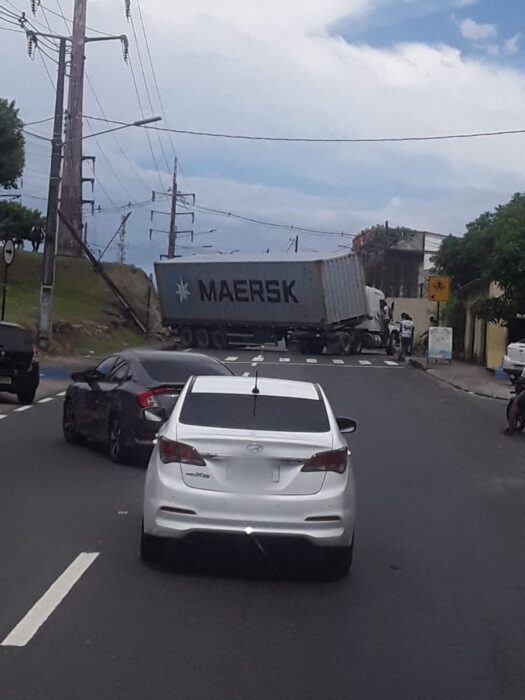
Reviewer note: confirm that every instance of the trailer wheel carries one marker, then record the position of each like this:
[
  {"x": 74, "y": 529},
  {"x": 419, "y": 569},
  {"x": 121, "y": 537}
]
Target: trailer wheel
[
  {"x": 186, "y": 337},
  {"x": 202, "y": 338},
  {"x": 219, "y": 339},
  {"x": 358, "y": 345},
  {"x": 346, "y": 344}
]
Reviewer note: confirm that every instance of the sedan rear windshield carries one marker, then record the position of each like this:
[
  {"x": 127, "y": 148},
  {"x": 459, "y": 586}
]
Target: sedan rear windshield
[
  {"x": 178, "y": 372},
  {"x": 255, "y": 412}
]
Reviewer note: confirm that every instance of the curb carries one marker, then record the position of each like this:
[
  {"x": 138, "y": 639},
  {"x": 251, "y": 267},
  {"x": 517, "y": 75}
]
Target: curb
[{"x": 421, "y": 365}]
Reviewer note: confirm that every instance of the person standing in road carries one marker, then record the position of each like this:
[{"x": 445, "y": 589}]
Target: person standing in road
[{"x": 407, "y": 329}]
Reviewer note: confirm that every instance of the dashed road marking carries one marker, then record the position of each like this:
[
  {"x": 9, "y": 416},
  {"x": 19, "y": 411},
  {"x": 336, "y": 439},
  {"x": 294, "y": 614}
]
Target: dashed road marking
[
  {"x": 365, "y": 362},
  {"x": 3, "y": 416},
  {"x": 47, "y": 399},
  {"x": 259, "y": 358},
  {"x": 338, "y": 362},
  {"x": 284, "y": 359},
  {"x": 311, "y": 361},
  {"x": 231, "y": 359},
  {"x": 391, "y": 363},
  {"x": 29, "y": 625},
  {"x": 20, "y": 409},
  {"x": 245, "y": 374},
  {"x": 61, "y": 393}
]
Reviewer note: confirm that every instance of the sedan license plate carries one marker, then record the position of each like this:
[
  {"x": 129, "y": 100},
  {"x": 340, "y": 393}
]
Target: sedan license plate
[
  {"x": 253, "y": 471},
  {"x": 5, "y": 380}
]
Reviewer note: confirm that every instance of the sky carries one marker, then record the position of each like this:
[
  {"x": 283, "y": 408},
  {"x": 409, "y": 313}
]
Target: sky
[{"x": 284, "y": 68}]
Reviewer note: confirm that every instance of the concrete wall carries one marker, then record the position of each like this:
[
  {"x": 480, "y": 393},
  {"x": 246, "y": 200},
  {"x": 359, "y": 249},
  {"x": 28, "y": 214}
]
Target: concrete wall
[
  {"x": 485, "y": 343},
  {"x": 419, "y": 309}
]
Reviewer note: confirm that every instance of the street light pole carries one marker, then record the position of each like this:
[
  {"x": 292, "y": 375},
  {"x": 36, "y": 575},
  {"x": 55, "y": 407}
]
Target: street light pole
[{"x": 45, "y": 320}]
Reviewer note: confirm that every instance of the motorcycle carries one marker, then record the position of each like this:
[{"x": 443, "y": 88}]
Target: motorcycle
[{"x": 518, "y": 385}]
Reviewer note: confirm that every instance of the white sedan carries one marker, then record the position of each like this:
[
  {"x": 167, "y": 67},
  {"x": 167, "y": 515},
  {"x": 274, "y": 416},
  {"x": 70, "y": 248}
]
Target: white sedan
[
  {"x": 514, "y": 360},
  {"x": 255, "y": 457}
]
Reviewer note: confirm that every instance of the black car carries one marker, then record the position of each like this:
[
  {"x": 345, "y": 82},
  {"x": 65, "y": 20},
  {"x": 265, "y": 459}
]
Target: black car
[
  {"x": 127, "y": 397},
  {"x": 19, "y": 367}
]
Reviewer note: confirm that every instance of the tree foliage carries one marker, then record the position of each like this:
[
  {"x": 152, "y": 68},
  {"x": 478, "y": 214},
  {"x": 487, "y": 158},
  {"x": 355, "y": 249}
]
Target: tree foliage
[
  {"x": 12, "y": 145},
  {"x": 492, "y": 250},
  {"x": 20, "y": 223}
]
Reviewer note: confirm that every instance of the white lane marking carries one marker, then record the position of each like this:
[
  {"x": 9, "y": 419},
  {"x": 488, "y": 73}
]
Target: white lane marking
[
  {"x": 61, "y": 393},
  {"x": 391, "y": 363},
  {"x": 254, "y": 364},
  {"x": 245, "y": 374},
  {"x": 20, "y": 409},
  {"x": 338, "y": 362},
  {"x": 47, "y": 399},
  {"x": 284, "y": 359},
  {"x": 259, "y": 358},
  {"x": 365, "y": 362},
  {"x": 3, "y": 416},
  {"x": 231, "y": 359},
  {"x": 29, "y": 625},
  {"x": 311, "y": 361}
]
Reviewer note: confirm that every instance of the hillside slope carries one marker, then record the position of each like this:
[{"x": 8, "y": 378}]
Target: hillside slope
[{"x": 87, "y": 316}]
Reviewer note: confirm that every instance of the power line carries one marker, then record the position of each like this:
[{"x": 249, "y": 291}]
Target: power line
[
  {"x": 380, "y": 139},
  {"x": 110, "y": 166}
]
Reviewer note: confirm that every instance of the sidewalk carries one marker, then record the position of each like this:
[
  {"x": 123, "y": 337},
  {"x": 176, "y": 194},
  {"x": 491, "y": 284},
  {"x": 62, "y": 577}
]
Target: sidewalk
[{"x": 471, "y": 378}]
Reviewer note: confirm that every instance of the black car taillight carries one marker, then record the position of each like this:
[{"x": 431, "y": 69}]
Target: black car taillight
[
  {"x": 147, "y": 399},
  {"x": 171, "y": 451},
  {"x": 332, "y": 461}
]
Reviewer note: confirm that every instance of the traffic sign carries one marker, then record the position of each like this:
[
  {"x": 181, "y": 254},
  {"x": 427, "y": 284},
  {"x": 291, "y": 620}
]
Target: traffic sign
[
  {"x": 9, "y": 252},
  {"x": 439, "y": 288}
]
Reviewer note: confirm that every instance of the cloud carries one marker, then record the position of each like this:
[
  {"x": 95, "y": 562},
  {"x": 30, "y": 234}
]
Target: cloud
[
  {"x": 475, "y": 31},
  {"x": 512, "y": 45}
]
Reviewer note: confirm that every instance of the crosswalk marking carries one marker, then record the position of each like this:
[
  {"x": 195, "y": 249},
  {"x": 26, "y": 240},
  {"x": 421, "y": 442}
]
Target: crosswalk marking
[
  {"x": 20, "y": 409},
  {"x": 2, "y": 416},
  {"x": 365, "y": 362},
  {"x": 259, "y": 358},
  {"x": 47, "y": 399},
  {"x": 338, "y": 362},
  {"x": 231, "y": 359},
  {"x": 61, "y": 393},
  {"x": 391, "y": 363},
  {"x": 311, "y": 361},
  {"x": 284, "y": 359}
]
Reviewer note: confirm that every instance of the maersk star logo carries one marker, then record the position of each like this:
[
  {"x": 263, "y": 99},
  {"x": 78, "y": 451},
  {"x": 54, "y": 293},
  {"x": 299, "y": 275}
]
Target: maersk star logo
[{"x": 182, "y": 290}]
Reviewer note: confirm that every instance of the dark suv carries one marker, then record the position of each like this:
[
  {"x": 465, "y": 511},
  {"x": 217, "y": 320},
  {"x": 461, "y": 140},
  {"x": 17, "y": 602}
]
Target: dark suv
[{"x": 19, "y": 368}]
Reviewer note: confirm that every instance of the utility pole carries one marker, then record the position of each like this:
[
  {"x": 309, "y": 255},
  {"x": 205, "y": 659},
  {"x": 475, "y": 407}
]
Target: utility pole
[
  {"x": 172, "y": 239},
  {"x": 122, "y": 238},
  {"x": 45, "y": 320},
  {"x": 71, "y": 199}
]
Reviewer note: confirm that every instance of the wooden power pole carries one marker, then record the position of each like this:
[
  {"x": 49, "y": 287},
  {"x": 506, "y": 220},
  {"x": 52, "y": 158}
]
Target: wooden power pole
[{"x": 71, "y": 197}]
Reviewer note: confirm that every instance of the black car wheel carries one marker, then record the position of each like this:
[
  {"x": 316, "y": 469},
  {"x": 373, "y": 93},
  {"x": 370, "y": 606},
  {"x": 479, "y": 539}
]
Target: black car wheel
[
  {"x": 26, "y": 393},
  {"x": 118, "y": 451},
  {"x": 69, "y": 425}
]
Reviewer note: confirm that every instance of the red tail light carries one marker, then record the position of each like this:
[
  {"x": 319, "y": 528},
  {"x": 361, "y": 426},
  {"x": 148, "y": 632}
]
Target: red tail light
[
  {"x": 147, "y": 398},
  {"x": 171, "y": 451},
  {"x": 333, "y": 461}
]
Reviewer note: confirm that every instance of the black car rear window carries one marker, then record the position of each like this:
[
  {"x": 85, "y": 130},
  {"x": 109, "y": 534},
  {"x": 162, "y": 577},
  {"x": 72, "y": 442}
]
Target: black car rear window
[
  {"x": 15, "y": 339},
  {"x": 169, "y": 370},
  {"x": 249, "y": 412}
]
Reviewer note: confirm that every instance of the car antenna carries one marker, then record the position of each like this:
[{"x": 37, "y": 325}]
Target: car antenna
[{"x": 255, "y": 389}]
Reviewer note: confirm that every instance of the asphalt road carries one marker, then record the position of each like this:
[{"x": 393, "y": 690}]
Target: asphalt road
[{"x": 434, "y": 607}]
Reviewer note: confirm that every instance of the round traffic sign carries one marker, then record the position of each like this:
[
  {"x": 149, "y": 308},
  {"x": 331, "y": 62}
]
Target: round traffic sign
[{"x": 9, "y": 252}]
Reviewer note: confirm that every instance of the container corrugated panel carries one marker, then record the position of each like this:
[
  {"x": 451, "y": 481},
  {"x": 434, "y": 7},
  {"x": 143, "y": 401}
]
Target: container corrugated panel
[{"x": 298, "y": 290}]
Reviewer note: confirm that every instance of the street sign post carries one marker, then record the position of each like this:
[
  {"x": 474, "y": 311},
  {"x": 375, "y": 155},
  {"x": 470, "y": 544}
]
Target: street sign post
[
  {"x": 8, "y": 254},
  {"x": 438, "y": 290}
]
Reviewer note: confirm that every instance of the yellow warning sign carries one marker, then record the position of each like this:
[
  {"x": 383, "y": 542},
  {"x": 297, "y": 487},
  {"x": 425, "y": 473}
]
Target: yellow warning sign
[{"x": 438, "y": 288}]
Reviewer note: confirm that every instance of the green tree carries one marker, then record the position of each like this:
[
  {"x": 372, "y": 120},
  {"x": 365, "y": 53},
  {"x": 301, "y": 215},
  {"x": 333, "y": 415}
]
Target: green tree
[
  {"x": 20, "y": 223},
  {"x": 492, "y": 250},
  {"x": 12, "y": 145},
  {"x": 380, "y": 238}
]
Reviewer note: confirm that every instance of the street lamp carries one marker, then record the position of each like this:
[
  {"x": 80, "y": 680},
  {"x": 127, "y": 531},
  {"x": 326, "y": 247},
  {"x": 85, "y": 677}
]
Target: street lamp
[{"x": 138, "y": 122}]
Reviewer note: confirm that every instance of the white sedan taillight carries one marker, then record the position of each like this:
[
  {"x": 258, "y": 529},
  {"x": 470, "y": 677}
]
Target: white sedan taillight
[
  {"x": 332, "y": 461},
  {"x": 171, "y": 451}
]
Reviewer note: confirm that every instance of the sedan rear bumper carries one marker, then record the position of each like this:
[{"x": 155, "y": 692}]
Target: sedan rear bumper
[{"x": 324, "y": 519}]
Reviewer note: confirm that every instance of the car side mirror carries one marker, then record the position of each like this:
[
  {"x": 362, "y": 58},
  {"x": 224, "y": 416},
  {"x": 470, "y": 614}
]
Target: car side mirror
[
  {"x": 156, "y": 414},
  {"x": 346, "y": 425}
]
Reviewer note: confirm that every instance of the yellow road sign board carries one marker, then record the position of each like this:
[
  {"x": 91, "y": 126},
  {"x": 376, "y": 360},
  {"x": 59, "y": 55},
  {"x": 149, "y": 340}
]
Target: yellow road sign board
[{"x": 438, "y": 288}]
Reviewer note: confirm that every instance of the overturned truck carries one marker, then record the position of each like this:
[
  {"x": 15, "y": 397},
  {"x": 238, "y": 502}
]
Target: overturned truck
[{"x": 311, "y": 302}]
